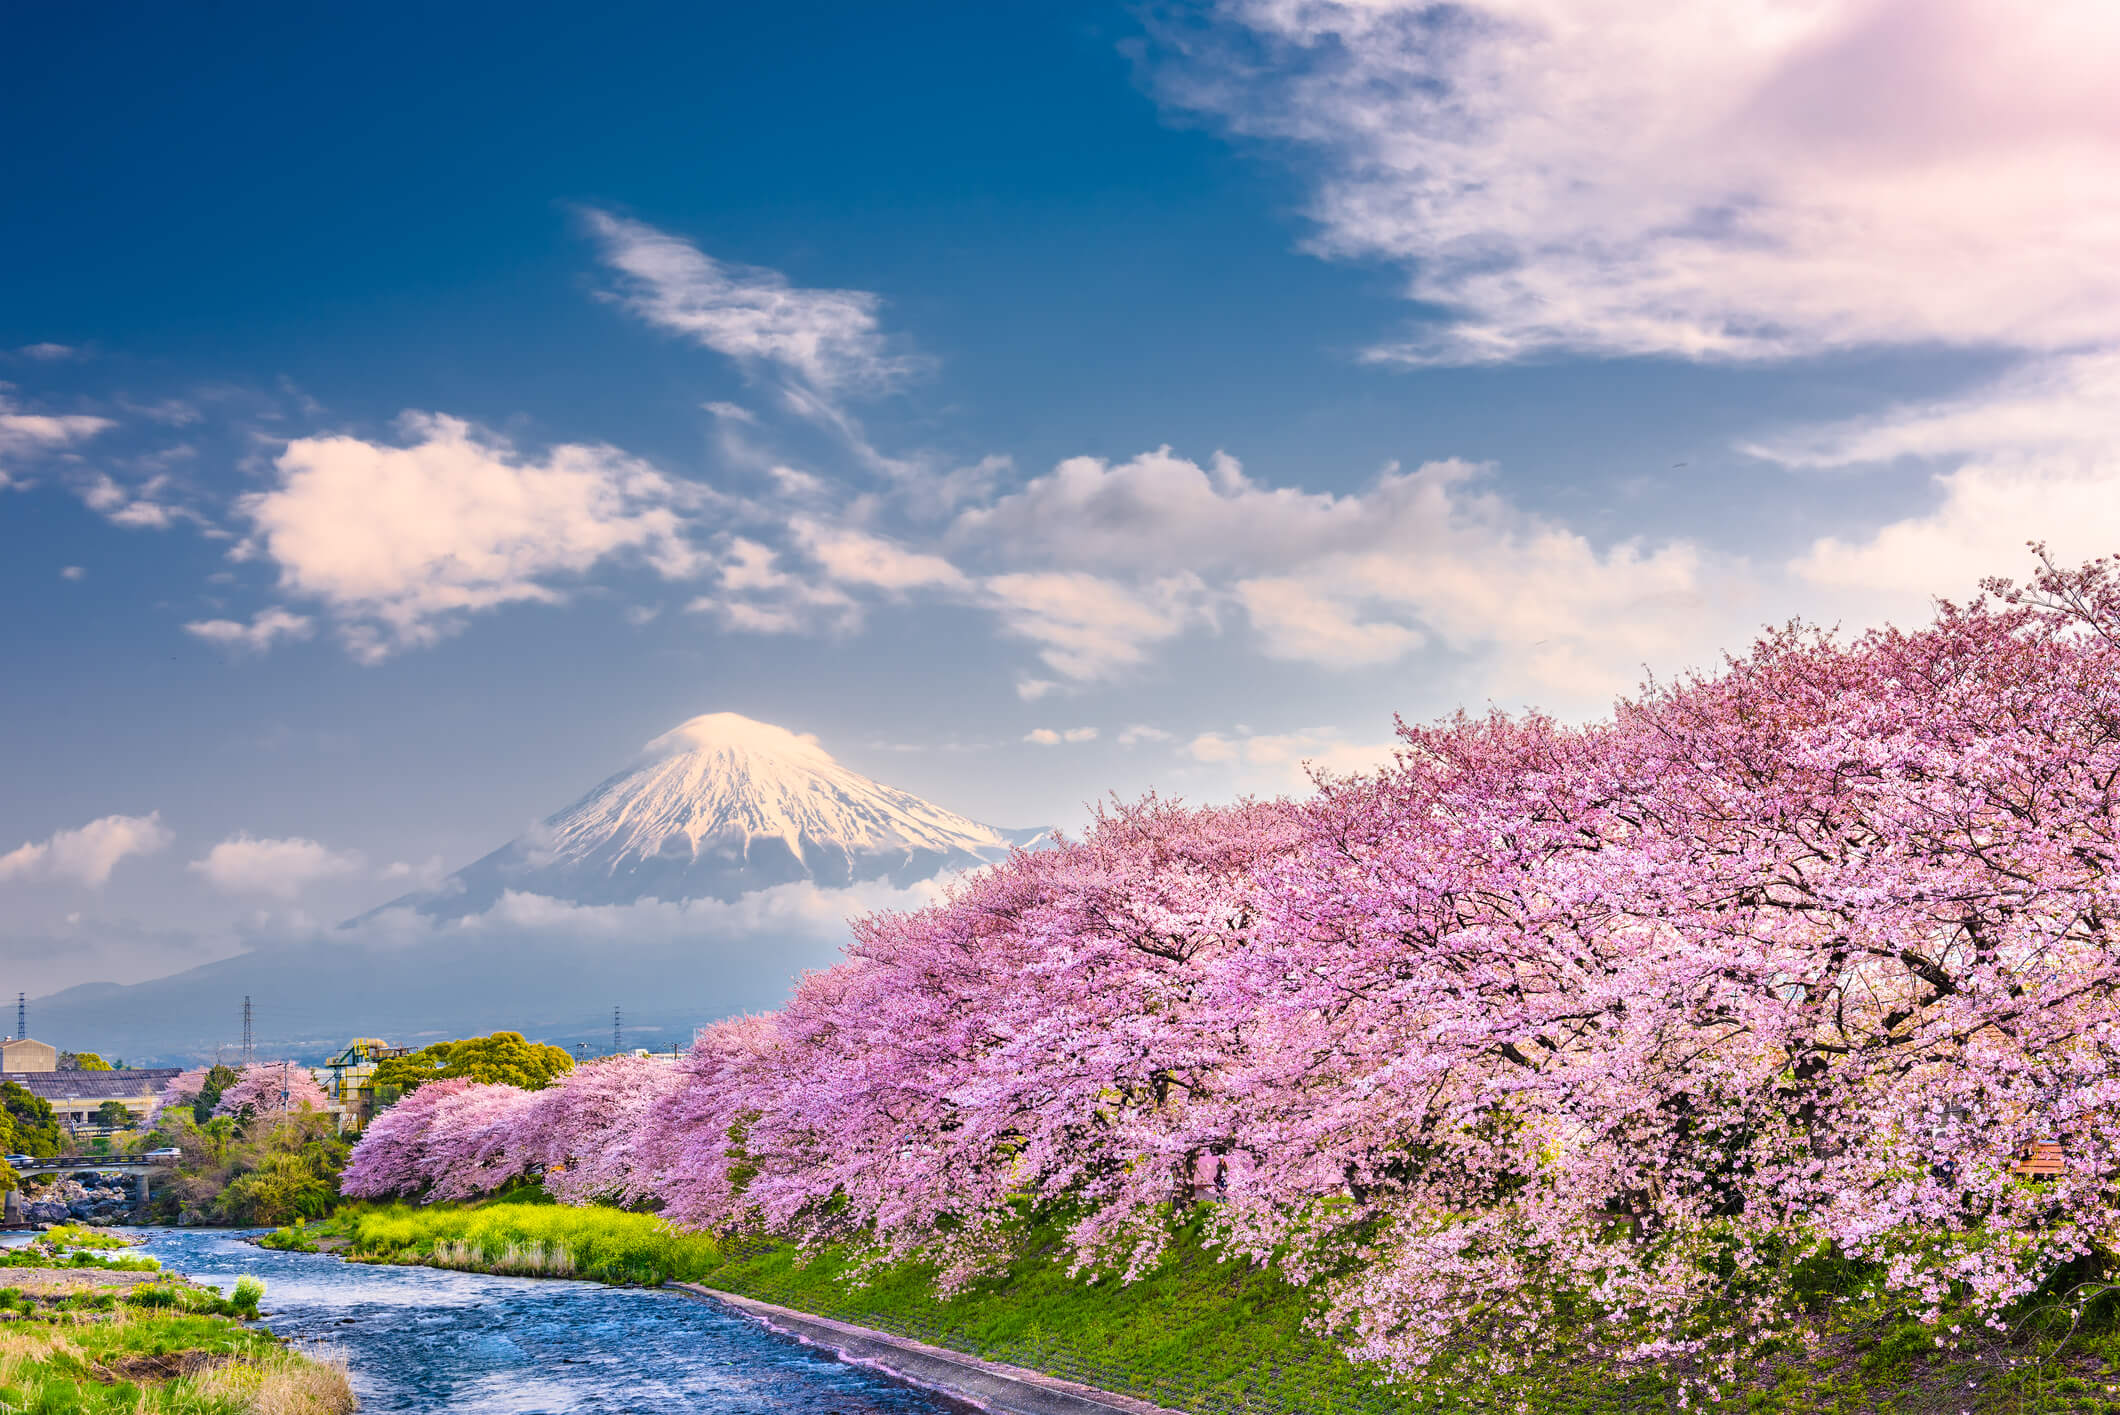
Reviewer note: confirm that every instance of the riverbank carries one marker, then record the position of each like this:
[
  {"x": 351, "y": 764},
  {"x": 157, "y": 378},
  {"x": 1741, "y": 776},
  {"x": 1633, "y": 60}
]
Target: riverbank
[
  {"x": 89, "y": 1332},
  {"x": 1218, "y": 1338}
]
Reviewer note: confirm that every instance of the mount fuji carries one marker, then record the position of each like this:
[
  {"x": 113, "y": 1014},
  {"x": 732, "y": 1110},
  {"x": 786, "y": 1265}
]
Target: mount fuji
[
  {"x": 718, "y": 807},
  {"x": 699, "y": 882}
]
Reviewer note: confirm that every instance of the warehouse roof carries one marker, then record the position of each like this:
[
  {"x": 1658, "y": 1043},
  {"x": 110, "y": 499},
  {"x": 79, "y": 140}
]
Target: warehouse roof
[{"x": 92, "y": 1085}]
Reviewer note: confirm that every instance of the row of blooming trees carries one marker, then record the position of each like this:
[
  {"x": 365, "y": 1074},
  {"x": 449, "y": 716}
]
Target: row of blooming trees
[{"x": 1628, "y": 1020}]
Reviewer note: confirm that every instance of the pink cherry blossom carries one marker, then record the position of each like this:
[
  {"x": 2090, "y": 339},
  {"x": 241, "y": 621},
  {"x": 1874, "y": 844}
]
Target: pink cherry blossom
[
  {"x": 271, "y": 1088},
  {"x": 1542, "y": 1021}
]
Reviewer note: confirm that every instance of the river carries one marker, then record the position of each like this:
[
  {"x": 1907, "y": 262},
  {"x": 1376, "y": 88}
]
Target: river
[{"x": 427, "y": 1340}]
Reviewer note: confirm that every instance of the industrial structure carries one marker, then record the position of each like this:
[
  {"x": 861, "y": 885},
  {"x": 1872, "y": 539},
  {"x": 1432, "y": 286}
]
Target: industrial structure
[{"x": 77, "y": 1096}]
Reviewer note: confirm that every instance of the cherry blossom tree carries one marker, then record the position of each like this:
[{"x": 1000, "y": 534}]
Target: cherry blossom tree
[
  {"x": 388, "y": 1162},
  {"x": 1542, "y": 1029},
  {"x": 181, "y": 1093},
  {"x": 270, "y": 1088},
  {"x": 589, "y": 1129}
]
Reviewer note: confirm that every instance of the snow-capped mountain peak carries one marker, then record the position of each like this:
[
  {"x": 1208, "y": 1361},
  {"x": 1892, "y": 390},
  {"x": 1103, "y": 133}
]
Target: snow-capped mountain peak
[{"x": 717, "y": 807}]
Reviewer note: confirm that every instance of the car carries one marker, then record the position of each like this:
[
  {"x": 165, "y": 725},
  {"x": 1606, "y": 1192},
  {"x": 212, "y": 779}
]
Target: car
[
  {"x": 21, "y": 1159},
  {"x": 168, "y": 1154}
]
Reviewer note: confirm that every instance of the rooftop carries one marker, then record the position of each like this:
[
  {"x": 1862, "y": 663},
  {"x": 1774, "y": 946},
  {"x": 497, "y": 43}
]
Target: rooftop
[{"x": 84, "y": 1085}]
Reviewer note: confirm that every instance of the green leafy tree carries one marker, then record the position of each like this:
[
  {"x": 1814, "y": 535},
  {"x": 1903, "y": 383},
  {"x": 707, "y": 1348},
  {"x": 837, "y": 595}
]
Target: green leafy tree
[
  {"x": 82, "y": 1061},
  {"x": 283, "y": 1187},
  {"x": 504, "y": 1057},
  {"x": 36, "y": 1129},
  {"x": 218, "y": 1079},
  {"x": 116, "y": 1114}
]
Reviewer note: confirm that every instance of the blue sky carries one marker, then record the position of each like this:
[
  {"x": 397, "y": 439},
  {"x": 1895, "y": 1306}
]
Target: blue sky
[{"x": 404, "y": 417}]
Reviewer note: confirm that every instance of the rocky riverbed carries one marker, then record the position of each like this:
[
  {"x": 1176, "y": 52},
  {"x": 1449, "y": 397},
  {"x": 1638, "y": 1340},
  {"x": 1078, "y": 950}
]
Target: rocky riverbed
[{"x": 77, "y": 1198}]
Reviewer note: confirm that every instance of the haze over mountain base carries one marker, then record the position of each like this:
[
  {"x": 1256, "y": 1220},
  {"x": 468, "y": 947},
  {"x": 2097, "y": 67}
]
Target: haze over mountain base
[
  {"x": 558, "y": 983},
  {"x": 699, "y": 883}
]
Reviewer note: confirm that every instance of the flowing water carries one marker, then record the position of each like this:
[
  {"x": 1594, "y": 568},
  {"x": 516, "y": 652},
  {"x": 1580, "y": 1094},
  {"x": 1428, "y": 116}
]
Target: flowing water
[{"x": 427, "y": 1340}]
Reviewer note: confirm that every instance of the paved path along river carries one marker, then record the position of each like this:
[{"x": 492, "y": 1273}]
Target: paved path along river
[{"x": 424, "y": 1340}]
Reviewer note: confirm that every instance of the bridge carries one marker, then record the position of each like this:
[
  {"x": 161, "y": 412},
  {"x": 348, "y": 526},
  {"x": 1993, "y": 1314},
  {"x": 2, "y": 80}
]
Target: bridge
[{"x": 139, "y": 1170}]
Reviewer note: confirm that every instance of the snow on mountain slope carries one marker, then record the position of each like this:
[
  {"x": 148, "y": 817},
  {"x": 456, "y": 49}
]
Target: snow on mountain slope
[{"x": 723, "y": 805}]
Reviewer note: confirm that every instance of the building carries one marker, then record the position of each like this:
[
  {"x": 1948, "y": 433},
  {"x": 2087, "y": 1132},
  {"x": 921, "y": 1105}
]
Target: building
[
  {"x": 22, "y": 1054},
  {"x": 76, "y": 1096},
  {"x": 349, "y": 1078}
]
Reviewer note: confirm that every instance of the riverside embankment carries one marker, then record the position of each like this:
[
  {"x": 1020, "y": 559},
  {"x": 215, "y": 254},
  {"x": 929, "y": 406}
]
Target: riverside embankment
[{"x": 1215, "y": 1338}]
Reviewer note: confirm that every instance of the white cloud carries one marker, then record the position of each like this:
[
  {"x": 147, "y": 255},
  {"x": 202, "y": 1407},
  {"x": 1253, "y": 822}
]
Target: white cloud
[
  {"x": 1092, "y": 628},
  {"x": 1432, "y": 555},
  {"x": 245, "y": 864},
  {"x": 1734, "y": 180},
  {"x": 755, "y": 596},
  {"x": 401, "y": 543},
  {"x": 2063, "y": 407},
  {"x": 1049, "y": 737},
  {"x": 72, "y": 572},
  {"x": 1140, "y": 732},
  {"x": 1032, "y": 689},
  {"x": 830, "y": 339},
  {"x": 89, "y": 854},
  {"x": 426, "y": 875},
  {"x": 1282, "y": 761},
  {"x": 27, "y": 435},
  {"x": 265, "y": 628},
  {"x": 1301, "y": 621},
  {"x": 134, "y": 508},
  {"x": 48, "y": 353},
  {"x": 2034, "y": 456},
  {"x": 856, "y": 557}
]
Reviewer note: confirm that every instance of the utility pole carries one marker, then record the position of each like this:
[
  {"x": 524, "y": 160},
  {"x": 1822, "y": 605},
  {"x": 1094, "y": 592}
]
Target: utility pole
[
  {"x": 618, "y": 1036},
  {"x": 21, "y": 1015},
  {"x": 249, "y": 1053}
]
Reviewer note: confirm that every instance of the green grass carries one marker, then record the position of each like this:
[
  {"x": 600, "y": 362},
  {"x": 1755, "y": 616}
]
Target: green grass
[
  {"x": 80, "y": 1235},
  {"x": 1218, "y": 1338},
  {"x": 36, "y": 1255},
  {"x": 536, "y": 1239},
  {"x": 89, "y": 1368}
]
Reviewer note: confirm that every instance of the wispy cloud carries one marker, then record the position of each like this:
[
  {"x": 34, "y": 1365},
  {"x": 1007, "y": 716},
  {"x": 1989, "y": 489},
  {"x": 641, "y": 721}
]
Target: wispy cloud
[
  {"x": 1053, "y": 737},
  {"x": 136, "y": 508},
  {"x": 831, "y": 340},
  {"x": 1283, "y": 760},
  {"x": 1435, "y": 555},
  {"x": 24, "y": 436},
  {"x": 266, "y": 628},
  {"x": 2031, "y": 456},
  {"x": 1736, "y": 180}
]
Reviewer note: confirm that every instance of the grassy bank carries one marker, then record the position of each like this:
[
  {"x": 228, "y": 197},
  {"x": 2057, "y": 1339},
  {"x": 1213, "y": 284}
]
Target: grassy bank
[
  {"x": 89, "y": 1332},
  {"x": 1206, "y": 1336}
]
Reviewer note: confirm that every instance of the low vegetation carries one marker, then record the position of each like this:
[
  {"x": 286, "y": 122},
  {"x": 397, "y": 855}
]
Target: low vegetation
[
  {"x": 270, "y": 1169},
  {"x": 1205, "y": 1334}
]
